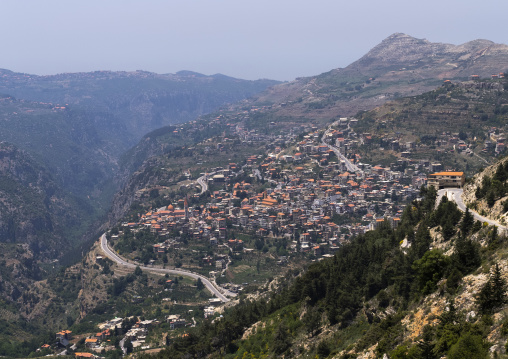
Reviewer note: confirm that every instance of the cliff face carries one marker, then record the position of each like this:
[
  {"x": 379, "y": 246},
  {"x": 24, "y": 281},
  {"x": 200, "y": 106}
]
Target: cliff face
[{"x": 33, "y": 209}]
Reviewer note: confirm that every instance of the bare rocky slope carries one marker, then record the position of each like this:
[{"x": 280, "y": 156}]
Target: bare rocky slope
[{"x": 400, "y": 65}]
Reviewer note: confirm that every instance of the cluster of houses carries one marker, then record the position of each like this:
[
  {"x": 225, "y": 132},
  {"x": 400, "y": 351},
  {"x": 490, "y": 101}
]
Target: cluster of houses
[
  {"x": 136, "y": 334},
  {"x": 496, "y": 141},
  {"x": 314, "y": 192},
  {"x": 309, "y": 186}
]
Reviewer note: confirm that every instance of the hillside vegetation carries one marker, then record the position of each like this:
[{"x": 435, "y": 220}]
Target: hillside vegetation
[{"x": 35, "y": 211}]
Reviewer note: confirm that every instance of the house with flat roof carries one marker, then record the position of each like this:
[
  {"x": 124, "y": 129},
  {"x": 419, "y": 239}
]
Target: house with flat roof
[{"x": 446, "y": 180}]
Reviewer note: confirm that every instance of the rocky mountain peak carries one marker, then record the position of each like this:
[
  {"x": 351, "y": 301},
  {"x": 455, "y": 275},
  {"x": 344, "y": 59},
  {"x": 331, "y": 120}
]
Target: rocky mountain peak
[
  {"x": 400, "y": 48},
  {"x": 400, "y": 51}
]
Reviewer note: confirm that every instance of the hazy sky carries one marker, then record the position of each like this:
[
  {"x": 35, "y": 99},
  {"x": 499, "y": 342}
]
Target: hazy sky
[{"x": 251, "y": 39}]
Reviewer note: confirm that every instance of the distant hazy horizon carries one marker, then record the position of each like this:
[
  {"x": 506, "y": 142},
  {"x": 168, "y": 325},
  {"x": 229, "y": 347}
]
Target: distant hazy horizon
[{"x": 248, "y": 39}]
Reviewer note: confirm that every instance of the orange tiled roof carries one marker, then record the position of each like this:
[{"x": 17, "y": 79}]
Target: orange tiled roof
[{"x": 447, "y": 174}]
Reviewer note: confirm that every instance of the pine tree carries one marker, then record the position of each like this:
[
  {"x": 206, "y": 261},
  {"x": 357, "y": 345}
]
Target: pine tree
[
  {"x": 128, "y": 346},
  {"x": 493, "y": 239},
  {"x": 448, "y": 230},
  {"x": 312, "y": 320},
  {"x": 199, "y": 284},
  {"x": 421, "y": 243},
  {"x": 467, "y": 255},
  {"x": 500, "y": 174},
  {"x": 493, "y": 294},
  {"x": 449, "y": 316},
  {"x": 491, "y": 199},
  {"x": 426, "y": 345},
  {"x": 499, "y": 288},
  {"x": 281, "y": 340},
  {"x": 467, "y": 222}
]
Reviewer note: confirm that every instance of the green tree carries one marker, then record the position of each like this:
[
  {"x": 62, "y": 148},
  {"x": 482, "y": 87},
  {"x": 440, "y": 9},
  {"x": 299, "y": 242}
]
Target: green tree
[
  {"x": 426, "y": 344},
  {"x": 493, "y": 239},
  {"x": 466, "y": 256},
  {"x": 430, "y": 269},
  {"x": 401, "y": 352},
  {"x": 312, "y": 320},
  {"x": 421, "y": 243},
  {"x": 500, "y": 174},
  {"x": 467, "y": 222},
  {"x": 323, "y": 349},
  {"x": 448, "y": 330},
  {"x": 448, "y": 230},
  {"x": 469, "y": 346},
  {"x": 477, "y": 226},
  {"x": 138, "y": 271},
  {"x": 199, "y": 284},
  {"x": 281, "y": 341},
  {"x": 491, "y": 198},
  {"x": 453, "y": 280},
  {"x": 128, "y": 346},
  {"x": 492, "y": 296}
]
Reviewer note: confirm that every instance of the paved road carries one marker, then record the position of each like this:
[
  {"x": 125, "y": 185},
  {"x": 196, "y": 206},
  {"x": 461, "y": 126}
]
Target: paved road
[
  {"x": 122, "y": 346},
  {"x": 202, "y": 181},
  {"x": 483, "y": 159},
  {"x": 203, "y": 184},
  {"x": 120, "y": 261},
  {"x": 455, "y": 194},
  {"x": 350, "y": 166}
]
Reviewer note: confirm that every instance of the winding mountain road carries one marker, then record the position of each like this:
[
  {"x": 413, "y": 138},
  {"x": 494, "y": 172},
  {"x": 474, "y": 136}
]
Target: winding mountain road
[
  {"x": 455, "y": 195},
  {"x": 122, "y": 262},
  {"x": 202, "y": 182}
]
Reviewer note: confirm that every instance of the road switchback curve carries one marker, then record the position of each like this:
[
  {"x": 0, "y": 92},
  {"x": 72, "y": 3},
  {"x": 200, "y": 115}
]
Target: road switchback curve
[{"x": 122, "y": 262}]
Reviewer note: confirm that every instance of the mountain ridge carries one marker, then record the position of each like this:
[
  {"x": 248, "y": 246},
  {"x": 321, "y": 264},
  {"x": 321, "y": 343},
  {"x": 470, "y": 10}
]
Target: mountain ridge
[{"x": 399, "y": 66}]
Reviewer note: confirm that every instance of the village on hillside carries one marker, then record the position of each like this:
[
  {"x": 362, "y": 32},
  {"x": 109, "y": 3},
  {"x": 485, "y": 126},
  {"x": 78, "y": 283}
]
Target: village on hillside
[{"x": 306, "y": 197}]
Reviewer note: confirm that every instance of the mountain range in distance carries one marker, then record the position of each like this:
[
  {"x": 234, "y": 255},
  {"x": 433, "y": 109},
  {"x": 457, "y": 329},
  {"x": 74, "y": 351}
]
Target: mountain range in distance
[{"x": 77, "y": 126}]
